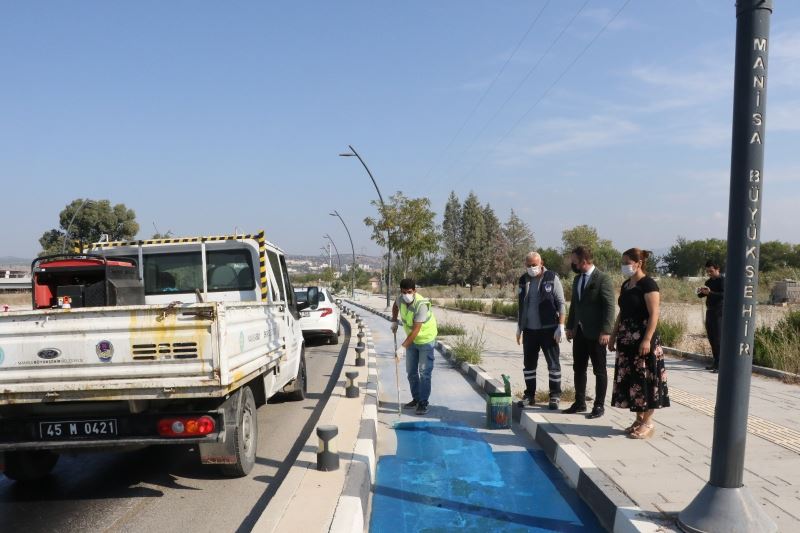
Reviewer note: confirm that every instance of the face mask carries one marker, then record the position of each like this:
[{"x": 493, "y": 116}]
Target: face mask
[
  {"x": 575, "y": 268},
  {"x": 628, "y": 270},
  {"x": 534, "y": 271},
  {"x": 408, "y": 298}
]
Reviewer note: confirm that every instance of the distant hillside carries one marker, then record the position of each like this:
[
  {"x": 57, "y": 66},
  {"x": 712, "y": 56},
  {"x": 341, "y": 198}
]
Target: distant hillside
[{"x": 11, "y": 261}]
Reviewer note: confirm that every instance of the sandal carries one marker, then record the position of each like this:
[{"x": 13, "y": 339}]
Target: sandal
[
  {"x": 644, "y": 431},
  {"x": 633, "y": 427}
]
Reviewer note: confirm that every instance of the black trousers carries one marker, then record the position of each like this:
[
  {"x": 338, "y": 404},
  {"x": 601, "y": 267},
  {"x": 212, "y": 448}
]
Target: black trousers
[
  {"x": 714, "y": 332},
  {"x": 583, "y": 351},
  {"x": 534, "y": 340}
]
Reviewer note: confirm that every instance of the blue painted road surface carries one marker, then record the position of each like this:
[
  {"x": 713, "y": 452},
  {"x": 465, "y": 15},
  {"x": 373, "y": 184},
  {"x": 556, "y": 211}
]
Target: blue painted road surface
[
  {"x": 445, "y": 477},
  {"x": 445, "y": 471}
]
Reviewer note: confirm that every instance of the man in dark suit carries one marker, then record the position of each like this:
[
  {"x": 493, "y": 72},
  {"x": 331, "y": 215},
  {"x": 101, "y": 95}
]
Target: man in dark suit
[{"x": 589, "y": 324}]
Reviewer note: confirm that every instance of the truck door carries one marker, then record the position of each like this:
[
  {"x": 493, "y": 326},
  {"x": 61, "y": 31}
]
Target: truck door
[{"x": 294, "y": 333}]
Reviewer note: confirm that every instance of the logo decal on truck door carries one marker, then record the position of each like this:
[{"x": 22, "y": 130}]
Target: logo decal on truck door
[
  {"x": 49, "y": 353},
  {"x": 104, "y": 350}
]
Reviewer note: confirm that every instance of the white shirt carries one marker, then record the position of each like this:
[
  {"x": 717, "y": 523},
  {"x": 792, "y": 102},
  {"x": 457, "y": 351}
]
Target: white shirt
[{"x": 587, "y": 275}]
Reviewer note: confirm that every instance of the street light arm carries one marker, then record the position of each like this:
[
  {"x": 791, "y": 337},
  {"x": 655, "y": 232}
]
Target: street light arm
[
  {"x": 380, "y": 196},
  {"x": 69, "y": 226},
  {"x": 353, "y": 249}
]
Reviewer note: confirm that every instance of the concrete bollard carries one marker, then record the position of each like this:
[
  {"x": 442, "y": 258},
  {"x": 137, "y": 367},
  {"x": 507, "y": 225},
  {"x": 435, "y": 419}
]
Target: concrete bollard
[
  {"x": 360, "y": 336},
  {"x": 360, "y": 361},
  {"x": 351, "y": 390},
  {"x": 327, "y": 452}
]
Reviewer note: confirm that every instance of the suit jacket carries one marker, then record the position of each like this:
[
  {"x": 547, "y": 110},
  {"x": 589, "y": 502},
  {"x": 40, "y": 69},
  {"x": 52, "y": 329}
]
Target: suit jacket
[{"x": 595, "y": 310}]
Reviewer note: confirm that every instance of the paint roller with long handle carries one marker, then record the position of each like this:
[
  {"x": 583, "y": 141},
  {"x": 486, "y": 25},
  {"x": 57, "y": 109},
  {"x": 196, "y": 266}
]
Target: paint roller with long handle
[{"x": 397, "y": 373}]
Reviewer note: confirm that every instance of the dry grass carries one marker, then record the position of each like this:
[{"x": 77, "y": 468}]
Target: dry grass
[{"x": 16, "y": 301}]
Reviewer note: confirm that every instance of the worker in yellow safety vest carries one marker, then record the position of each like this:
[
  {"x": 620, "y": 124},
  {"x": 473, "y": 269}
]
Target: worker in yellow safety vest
[{"x": 420, "y": 326}]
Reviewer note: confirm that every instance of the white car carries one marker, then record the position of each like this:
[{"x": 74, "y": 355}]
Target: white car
[{"x": 319, "y": 313}]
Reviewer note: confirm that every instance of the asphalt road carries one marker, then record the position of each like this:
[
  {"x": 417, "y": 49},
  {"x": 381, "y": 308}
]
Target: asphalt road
[{"x": 165, "y": 488}]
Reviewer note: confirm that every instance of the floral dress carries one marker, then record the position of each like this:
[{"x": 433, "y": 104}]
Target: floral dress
[{"x": 640, "y": 382}]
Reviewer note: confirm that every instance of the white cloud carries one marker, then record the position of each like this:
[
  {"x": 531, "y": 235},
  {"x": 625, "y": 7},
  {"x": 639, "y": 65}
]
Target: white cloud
[{"x": 567, "y": 135}]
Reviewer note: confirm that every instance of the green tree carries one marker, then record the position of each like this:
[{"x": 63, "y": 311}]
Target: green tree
[
  {"x": 451, "y": 240},
  {"x": 90, "y": 219},
  {"x": 473, "y": 234},
  {"x": 775, "y": 255},
  {"x": 411, "y": 230},
  {"x": 520, "y": 242},
  {"x": 496, "y": 249},
  {"x": 553, "y": 260},
  {"x": 606, "y": 257},
  {"x": 687, "y": 258}
]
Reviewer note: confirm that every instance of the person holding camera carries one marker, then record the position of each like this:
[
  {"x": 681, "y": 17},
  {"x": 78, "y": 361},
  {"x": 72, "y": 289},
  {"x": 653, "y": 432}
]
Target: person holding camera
[{"x": 713, "y": 292}]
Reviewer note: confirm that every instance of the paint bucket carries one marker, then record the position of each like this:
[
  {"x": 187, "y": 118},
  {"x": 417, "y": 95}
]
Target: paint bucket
[
  {"x": 498, "y": 411},
  {"x": 498, "y": 407}
]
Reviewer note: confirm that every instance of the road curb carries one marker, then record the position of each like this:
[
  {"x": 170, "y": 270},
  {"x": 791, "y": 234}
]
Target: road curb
[
  {"x": 614, "y": 509},
  {"x": 352, "y": 510},
  {"x": 788, "y": 377}
]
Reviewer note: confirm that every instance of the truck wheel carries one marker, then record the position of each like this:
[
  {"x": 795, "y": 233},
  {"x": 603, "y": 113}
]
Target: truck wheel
[
  {"x": 30, "y": 465},
  {"x": 300, "y": 381},
  {"x": 245, "y": 437}
]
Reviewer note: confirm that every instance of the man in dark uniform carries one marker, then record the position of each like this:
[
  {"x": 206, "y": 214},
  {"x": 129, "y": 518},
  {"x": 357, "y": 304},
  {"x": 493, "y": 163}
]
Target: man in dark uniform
[{"x": 713, "y": 293}]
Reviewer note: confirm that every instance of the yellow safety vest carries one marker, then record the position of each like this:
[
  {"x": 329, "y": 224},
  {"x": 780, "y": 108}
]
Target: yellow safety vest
[{"x": 428, "y": 332}]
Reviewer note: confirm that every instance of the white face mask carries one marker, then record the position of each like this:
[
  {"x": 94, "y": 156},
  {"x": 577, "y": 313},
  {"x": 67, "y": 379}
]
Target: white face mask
[
  {"x": 534, "y": 271},
  {"x": 628, "y": 270},
  {"x": 408, "y": 298}
]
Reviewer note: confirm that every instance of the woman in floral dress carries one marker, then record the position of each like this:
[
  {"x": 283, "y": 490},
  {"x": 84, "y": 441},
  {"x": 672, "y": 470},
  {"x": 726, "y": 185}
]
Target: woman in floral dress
[{"x": 640, "y": 379}]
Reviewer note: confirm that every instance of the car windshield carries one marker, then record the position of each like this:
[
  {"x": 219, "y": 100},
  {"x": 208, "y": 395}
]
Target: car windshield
[{"x": 301, "y": 295}]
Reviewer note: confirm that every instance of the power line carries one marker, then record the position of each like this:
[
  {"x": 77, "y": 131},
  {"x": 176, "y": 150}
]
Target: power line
[
  {"x": 523, "y": 81},
  {"x": 488, "y": 89},
  {"x": 547, "y": 91}
]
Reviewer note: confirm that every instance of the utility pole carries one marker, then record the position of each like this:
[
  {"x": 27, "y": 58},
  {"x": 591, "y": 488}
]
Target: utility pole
[
  {"x": 725, "y": 504},
  {"x": 352, "y": 248}
]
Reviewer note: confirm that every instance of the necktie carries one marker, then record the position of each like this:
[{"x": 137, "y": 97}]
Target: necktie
[{"x": 583, "y": 284}]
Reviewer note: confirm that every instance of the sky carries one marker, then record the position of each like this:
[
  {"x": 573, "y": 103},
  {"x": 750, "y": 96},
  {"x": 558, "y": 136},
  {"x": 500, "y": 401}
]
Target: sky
[{"x": 213, "y": 117}]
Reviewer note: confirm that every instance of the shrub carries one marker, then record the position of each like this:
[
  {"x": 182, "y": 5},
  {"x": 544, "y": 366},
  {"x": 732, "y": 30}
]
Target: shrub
[
  {"x": 468, "y": 348},
  {"x": 779, "y": 347},
  {"x": 469, "y": 305},
  {"x": 671, "y": 331},
  {"x": 450, "y": 328},
  {"x": 499, "y": 307}
]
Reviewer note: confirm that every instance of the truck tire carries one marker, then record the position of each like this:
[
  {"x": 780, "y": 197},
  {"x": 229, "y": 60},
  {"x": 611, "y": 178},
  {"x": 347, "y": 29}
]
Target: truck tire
[
  {"x": 30, "y": 465},
  {"x": 245, "y": 437},
  {"x": 300, "y": 381}
]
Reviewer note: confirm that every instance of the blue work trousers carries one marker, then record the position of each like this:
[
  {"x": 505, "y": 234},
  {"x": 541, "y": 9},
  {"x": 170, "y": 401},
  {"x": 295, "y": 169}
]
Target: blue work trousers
[{"x": 419, "y": 365}]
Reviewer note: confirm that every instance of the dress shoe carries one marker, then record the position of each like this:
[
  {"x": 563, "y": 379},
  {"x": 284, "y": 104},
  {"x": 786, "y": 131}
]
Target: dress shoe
[
  {"x": 597, "y": 412},
  {"x": 575, "y": 408}
]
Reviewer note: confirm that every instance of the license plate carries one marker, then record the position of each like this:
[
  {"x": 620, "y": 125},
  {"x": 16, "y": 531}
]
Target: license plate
[
  {"x": 78, "y": 429},
  {"x": 305, "y": 313}
]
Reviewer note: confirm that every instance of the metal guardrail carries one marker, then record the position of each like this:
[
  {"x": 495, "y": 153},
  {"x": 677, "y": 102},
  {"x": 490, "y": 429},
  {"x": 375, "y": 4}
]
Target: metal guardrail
[{"x": 14, "y": 284}]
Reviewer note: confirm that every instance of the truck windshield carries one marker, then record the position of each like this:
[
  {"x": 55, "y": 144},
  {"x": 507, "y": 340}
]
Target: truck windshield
[{"x": 226, "y": 270}]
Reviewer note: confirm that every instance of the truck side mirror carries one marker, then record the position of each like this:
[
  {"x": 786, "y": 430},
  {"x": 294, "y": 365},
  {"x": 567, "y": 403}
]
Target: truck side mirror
[{"x": 313, "y": 297}]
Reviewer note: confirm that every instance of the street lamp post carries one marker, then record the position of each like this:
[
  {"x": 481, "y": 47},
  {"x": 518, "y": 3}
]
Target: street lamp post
[
  {"x": 69, "y": 226},
  {"x": 353, "y": 249},
  {"x": 338, "y": 257},
  {"x": 388, "y": 276},
  {"x": 725, "y": 503}
]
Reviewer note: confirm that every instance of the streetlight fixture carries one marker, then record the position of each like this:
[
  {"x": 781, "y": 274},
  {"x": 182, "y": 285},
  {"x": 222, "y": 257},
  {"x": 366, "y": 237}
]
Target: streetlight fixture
[
  {"x": 69, "y": 226},
  {"x": 353, "y": 153},
  {"x": 353, "y": 276},
  {"x": 338, "y": 257}
]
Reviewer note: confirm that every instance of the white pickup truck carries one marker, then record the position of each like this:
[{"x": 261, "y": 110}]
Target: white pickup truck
[{"x": 129, "y": 344}]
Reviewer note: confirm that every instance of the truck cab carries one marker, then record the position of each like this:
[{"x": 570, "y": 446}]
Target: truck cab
[{"x": 165, "y": 341}]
